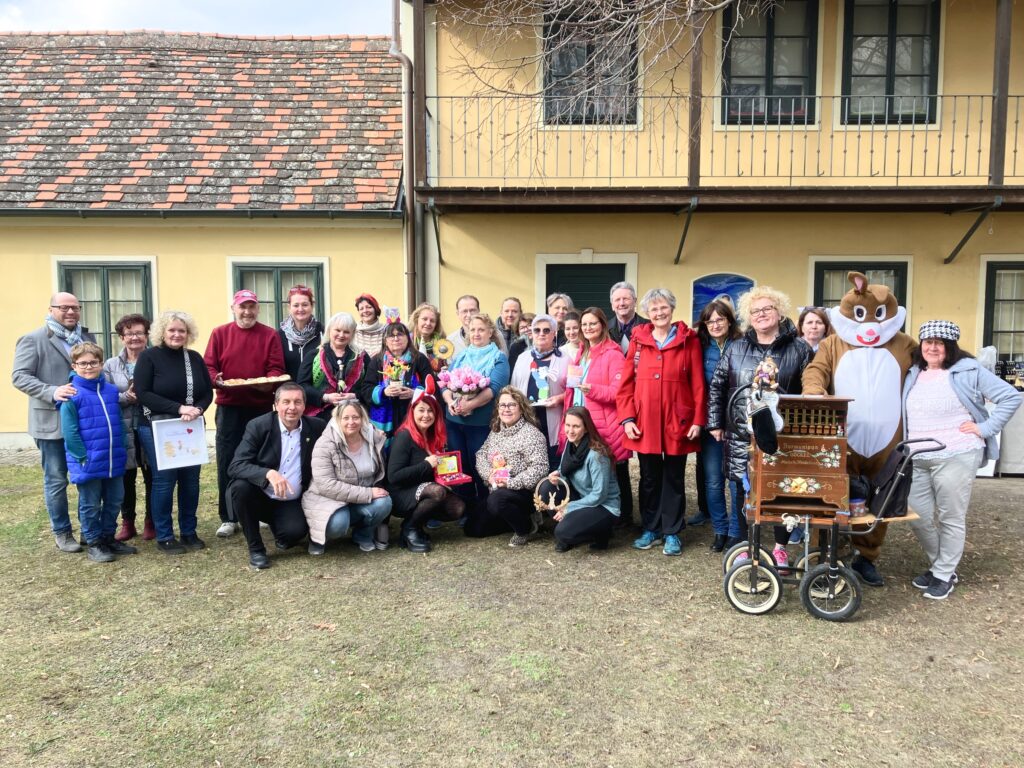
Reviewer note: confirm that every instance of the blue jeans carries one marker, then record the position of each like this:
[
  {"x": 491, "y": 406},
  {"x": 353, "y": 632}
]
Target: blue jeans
[
  {"x": 187, "y": 480},
  {"x": 467, "y": 440},
  {"x": 55, "y": 483},
  {"x": 738, "y": 518},
  {"x": 712, "y": 455},
  {"x": 99, "y": 501},
  {"x": 363, "y": 519}
]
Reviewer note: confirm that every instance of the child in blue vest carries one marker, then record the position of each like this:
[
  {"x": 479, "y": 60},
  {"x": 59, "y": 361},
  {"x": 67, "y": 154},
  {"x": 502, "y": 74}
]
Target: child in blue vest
[{"x": 96, "y": 451}]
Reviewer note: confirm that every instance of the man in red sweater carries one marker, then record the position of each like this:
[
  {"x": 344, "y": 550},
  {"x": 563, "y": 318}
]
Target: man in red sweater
[{"x": 242, "y": 349}]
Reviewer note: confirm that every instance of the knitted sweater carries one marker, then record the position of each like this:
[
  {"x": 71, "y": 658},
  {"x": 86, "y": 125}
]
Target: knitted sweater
[
  {"x": 244, "y": 353},
  {"x": 523, "y": 449}
]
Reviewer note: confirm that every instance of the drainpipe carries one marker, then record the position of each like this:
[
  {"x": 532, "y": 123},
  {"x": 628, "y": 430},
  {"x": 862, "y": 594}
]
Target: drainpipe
[{"x": 407, "y": 161}]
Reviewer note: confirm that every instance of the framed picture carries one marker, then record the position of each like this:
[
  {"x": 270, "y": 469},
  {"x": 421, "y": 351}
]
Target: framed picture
[{"x": 179, "y": 443}]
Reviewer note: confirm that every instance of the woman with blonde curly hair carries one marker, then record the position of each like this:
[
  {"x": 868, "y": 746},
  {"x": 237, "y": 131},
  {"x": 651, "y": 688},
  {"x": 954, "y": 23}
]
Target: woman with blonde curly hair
[
  {"x": 172, "y": 382},
  {"x": 768, "y": 334}
]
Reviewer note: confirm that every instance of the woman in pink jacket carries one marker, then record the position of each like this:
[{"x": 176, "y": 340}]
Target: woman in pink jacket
[{"x": 598, "y": 369}]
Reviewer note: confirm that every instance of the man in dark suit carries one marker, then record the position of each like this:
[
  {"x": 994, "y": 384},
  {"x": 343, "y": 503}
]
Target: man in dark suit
[
  {"x": 42, "y": 362},
  {"x": 270, "y": 470},
  {"x": 623, "y": 299}
]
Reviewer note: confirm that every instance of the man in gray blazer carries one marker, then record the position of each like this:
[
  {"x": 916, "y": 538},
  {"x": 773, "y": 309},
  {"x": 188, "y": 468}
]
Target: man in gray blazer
[{"x": 42, "y": 365}]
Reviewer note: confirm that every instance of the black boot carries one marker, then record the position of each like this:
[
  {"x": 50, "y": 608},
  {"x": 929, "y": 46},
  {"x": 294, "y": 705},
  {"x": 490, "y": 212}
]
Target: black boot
[
  {"x": 413, "y": 540},
  {"x": 719, "y": 543}
]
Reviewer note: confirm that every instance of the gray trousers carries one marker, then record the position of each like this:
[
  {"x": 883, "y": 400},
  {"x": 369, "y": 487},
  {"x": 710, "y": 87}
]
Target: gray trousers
[{"x": 941, "y": 493}]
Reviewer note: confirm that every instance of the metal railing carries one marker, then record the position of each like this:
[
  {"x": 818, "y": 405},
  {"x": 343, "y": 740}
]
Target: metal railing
[{"x": 537, "y": 141}]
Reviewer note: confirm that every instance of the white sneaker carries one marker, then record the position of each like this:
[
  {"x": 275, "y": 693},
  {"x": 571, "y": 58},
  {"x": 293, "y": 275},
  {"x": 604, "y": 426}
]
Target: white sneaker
[{"x": 227, "y": 529}]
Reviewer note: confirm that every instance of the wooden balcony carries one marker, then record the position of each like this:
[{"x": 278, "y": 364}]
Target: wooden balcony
[{"x": 895, "y": 146}]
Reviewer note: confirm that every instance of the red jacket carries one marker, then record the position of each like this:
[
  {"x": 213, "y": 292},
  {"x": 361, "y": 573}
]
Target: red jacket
[
  {"x": 603, "y": 377},
  {"x": 664, "y": 391}
]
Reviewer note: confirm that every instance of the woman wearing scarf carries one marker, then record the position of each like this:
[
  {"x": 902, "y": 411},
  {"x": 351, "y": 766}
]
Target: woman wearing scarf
[
  {"x": 468, "y": 416},
  {"x": 539, "y": 374},
  {"x": 599, "y": 369},
  {"x": 370, "y": 331},
  {"x": 300, "y": 332},
  {"x": 330, "y": 376},
  {"x": 389, "y": 379},
  {"x": 594, "y": 495},
  {"x": 425, "y": 324}
]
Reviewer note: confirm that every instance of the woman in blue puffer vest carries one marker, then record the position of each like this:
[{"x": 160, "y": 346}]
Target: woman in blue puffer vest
[{"x": 96, "y": 451}]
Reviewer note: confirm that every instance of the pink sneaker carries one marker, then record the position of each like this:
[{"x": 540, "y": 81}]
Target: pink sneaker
[{"x": 781, "y": 560}]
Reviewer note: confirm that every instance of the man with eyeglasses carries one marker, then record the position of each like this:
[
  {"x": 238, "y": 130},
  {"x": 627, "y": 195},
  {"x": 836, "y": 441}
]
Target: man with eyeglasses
[{"x": 42, "y": 365}]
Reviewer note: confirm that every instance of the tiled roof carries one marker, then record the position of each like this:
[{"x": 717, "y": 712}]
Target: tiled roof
[{"x": 149, "y": 120}]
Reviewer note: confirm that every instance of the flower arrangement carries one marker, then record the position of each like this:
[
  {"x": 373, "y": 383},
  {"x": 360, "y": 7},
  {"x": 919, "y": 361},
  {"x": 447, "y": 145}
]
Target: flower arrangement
[
  {"x": 463, "y": 381},
  {"x": 395, "y": 370}
]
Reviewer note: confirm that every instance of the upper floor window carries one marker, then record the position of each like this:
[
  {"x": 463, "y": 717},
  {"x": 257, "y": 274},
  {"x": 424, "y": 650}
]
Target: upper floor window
[
  {"x": 890, "y": 61},
  {"x": 590, "y": 68},
  {"x": 107, "y": 292},
  {"x": 769, "y": 65}
]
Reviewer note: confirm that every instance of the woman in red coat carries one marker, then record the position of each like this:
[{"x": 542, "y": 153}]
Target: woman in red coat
[
  {"x": 599, "y": 364},
  {"x": 661, "y": 407}
]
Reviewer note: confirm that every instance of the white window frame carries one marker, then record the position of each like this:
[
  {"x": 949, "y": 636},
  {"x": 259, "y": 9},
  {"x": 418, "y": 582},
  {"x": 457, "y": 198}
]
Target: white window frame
[{"x": 585, "y": 256}]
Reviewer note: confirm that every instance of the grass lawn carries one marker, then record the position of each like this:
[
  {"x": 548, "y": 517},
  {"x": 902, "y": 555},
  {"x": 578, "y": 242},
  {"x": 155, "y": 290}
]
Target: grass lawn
[{"x": 478, "y": 655}]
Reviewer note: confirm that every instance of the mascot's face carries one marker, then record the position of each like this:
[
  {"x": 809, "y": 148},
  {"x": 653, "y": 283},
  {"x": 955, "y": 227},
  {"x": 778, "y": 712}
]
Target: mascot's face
[{"x": 868, "y": 315}]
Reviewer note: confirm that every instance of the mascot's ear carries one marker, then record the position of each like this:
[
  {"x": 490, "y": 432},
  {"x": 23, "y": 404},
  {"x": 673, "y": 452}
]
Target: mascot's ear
[{"x": 859, "y": 281}]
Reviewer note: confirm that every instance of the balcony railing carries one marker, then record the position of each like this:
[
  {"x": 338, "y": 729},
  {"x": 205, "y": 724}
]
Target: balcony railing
[{"x": 744, "y": 141}]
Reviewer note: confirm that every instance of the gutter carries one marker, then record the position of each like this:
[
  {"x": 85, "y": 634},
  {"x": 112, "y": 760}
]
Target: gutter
[
  {"x": 205, "y": 213},
  {"x": 411, "y": 297}
]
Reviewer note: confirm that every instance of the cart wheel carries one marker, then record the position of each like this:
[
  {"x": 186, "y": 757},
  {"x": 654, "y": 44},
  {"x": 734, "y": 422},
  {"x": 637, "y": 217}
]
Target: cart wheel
[
  {"x": 831, "y": 600},
  {"x": 729, "y": 558},
  {"x": 750, "y": 592}
]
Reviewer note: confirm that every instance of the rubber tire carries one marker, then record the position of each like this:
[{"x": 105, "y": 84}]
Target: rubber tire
[
  {"x": 805, "y": 564},
  {"x": 847, "y": 599},
  {"x": 729, "y": 558},
  {"x": 771, "y": 579}
]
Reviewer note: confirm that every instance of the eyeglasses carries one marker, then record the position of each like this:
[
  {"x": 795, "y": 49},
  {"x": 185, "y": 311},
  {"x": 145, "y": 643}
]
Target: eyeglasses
[
  {"x": 542, "y": 331},
  {"x": 66, "y": 308},
  {"x": 88, "y": 364},
  {"x": 134, "y": 335},
  {"x": 719, "y": 321},
  {"x": 507, "y": 406},
  {"x": 762, "y": 311}
]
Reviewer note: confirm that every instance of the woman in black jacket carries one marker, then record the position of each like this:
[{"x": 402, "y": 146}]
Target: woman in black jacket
[
  {"x": 300, "y": 331},
  {"x": 415, "y": 494},
  {"x": 389, "y": 380},
  {"x": 769, "y": 334}
]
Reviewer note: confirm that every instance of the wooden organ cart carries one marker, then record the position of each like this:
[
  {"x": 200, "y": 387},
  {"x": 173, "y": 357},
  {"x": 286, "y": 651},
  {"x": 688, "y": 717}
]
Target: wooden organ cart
[{"x": 803, "y": 484}]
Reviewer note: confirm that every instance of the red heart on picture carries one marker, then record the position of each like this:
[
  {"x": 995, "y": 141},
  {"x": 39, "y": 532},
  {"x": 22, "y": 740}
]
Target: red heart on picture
[{"x": 189, "y": 431}]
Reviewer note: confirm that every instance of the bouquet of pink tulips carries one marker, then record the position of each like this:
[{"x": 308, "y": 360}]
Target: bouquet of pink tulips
[{"x": 463, "y": 382}]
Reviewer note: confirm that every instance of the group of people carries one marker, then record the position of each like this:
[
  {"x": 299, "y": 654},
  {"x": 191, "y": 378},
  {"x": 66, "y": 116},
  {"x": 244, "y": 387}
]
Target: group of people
[{"x": 379, "y": 420}]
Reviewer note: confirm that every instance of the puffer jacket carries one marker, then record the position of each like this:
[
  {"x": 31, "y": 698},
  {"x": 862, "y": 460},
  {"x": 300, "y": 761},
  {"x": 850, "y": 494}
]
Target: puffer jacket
[
  {"x": 603, "y": 376},
  {"x": 94, "y": 444},
  {"x": 335, "y": 482},
  {"x": 735, "y": 369}
]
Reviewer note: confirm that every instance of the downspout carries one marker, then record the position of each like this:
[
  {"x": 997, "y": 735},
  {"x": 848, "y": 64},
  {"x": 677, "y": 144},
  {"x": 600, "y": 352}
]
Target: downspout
[{"x": 408, "y": 160}]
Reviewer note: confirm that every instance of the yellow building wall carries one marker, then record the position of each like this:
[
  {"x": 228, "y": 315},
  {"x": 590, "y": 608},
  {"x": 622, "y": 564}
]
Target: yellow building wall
[
  {"x": 191, "y": 270},
  {"x": 496, "y": 255},
  {"x": 489, "y": 136}
]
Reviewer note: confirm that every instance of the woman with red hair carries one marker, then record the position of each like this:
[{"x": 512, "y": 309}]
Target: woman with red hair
[{"x": 414, "y": 455}]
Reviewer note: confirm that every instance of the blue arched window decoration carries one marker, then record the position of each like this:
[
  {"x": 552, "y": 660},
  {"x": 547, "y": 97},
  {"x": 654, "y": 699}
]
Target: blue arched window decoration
[{"x": 708, "y": 287}]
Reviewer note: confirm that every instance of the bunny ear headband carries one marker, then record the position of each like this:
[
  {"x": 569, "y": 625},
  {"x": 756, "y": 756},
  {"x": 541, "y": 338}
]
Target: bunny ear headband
[{"x": 426, "y": 391}]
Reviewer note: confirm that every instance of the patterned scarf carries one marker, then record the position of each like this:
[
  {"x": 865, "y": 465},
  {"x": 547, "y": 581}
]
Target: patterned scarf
[
  {"x": 340, "y": 377},
  {"x": 297, "y": 337},
  {"x": 71, "y": 337}
]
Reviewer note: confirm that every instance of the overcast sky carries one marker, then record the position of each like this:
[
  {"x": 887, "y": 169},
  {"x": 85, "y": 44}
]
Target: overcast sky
[{"x": 244, "y": 17}]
